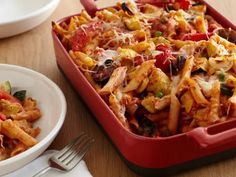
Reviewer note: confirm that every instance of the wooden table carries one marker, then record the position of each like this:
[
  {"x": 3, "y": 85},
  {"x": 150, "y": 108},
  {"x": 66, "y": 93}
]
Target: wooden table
[{"x": 34, "y": 49}]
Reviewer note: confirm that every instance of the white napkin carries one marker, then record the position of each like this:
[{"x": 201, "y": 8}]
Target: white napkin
[{"x": 41, "y": 162}]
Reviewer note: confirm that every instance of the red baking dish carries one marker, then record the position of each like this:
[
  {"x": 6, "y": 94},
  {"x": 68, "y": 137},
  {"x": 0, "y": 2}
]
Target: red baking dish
[{"x": 152, "y": 156}]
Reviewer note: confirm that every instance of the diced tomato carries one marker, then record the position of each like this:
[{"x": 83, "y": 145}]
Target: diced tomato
[
  {"x": 183, "y": 4},
  {"x": 138, "y": 60},
  {"x": 212, "y": 27},
  {"x": 79, "y": 40},
  {"x": 163, "y": 59},
  {"x": 164, "y": 48},
  {"x": 83, "y": 34},
  {"x": 162, "y": 62},
  {"x": 195, "y": 37},
  {"x": 2, "y": 117},
  {"x": 6, "y": 96}
]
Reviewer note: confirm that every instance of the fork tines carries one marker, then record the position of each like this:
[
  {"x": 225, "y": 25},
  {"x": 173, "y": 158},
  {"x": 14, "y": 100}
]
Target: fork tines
[{"x": 74, "y": 152}]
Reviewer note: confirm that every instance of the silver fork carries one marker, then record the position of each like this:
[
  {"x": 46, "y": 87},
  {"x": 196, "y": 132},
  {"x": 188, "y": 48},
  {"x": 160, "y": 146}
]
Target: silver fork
[{"x": 67, "y": 158}]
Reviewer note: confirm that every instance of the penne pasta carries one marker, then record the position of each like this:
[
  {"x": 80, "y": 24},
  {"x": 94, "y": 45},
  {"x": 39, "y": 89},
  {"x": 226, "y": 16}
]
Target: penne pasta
[
  {"x": 18, "y": 149},
  {"x": 185, "y": 75},
  {"x": 197, "y": 93},
  {"x": 143, "y": 71},
  {"x": 10, "y": 129},
  {"x": 174, "y": 113},
  {"x": 119, "y": 109},
  {"x": 215, "y": 103},
  {"x": 115, "y": 81},
  {"x": 30, "y": 115}
]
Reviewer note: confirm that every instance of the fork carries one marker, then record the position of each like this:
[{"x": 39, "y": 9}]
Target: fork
[{"x": 68, "y": 157}]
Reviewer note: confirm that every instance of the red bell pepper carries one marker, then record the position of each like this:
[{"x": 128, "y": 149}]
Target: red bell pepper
[
  {"x": 138, "y": 60},
  {"x": 195, "y": 37},
  {"x": 163, "y": 59},
  {"x": 6, "y": 96},
  {"x": 182, "y": 4}
]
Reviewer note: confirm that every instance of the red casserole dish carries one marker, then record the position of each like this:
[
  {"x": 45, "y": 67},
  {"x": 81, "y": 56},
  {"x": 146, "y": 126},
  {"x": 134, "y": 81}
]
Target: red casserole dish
[{"x": 152, "y": 156}]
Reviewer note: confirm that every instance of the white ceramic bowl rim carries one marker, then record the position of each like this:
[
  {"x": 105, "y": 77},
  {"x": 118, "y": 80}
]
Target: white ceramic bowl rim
[
  {"x": 56, "y": 128},
  {"x": 46, "y": 7}
]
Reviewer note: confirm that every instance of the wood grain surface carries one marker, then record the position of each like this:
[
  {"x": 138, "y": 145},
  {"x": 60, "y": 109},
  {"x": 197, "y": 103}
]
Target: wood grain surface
[{"x": 34, "y": 49}]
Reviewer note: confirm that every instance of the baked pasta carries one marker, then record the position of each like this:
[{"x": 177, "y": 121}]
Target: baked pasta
[
  {"x": 162, "y": 67},
  {"x": 17, "y": 115}
]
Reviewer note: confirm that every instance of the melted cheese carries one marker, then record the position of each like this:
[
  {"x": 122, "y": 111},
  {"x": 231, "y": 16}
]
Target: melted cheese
[{"x": 107, "y": 54}]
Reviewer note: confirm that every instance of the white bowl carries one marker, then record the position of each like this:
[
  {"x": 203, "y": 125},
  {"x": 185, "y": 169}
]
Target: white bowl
[
  {"x": 18, "y": 16},
  {"x": 51, "y": 102}
]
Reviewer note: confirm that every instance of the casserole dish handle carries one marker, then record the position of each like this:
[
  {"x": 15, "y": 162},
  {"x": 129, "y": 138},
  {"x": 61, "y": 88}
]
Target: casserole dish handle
[
  {"x": 207, "y": 140},
  {"x": 89, "y": 6}
]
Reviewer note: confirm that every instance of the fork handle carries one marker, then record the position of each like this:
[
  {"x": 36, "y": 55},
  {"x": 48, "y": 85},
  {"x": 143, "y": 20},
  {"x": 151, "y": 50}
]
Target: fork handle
[{"x": 42, "y": 172}]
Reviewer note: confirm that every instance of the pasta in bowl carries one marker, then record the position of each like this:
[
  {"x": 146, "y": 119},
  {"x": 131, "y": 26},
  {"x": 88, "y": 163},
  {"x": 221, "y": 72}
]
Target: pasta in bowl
[
  {"x": 17, "y": 115},
  {"x": 29, "y": 121}
]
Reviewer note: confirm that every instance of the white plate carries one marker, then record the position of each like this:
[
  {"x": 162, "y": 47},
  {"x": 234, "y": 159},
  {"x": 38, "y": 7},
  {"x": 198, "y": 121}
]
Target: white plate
[
  {"x": 18, "y": 16},
  {"x": 51, "y": 102}
]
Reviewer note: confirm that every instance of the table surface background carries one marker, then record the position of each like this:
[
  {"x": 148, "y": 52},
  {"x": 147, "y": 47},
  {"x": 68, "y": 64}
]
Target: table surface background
[{"x": 34, "y": 49}]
